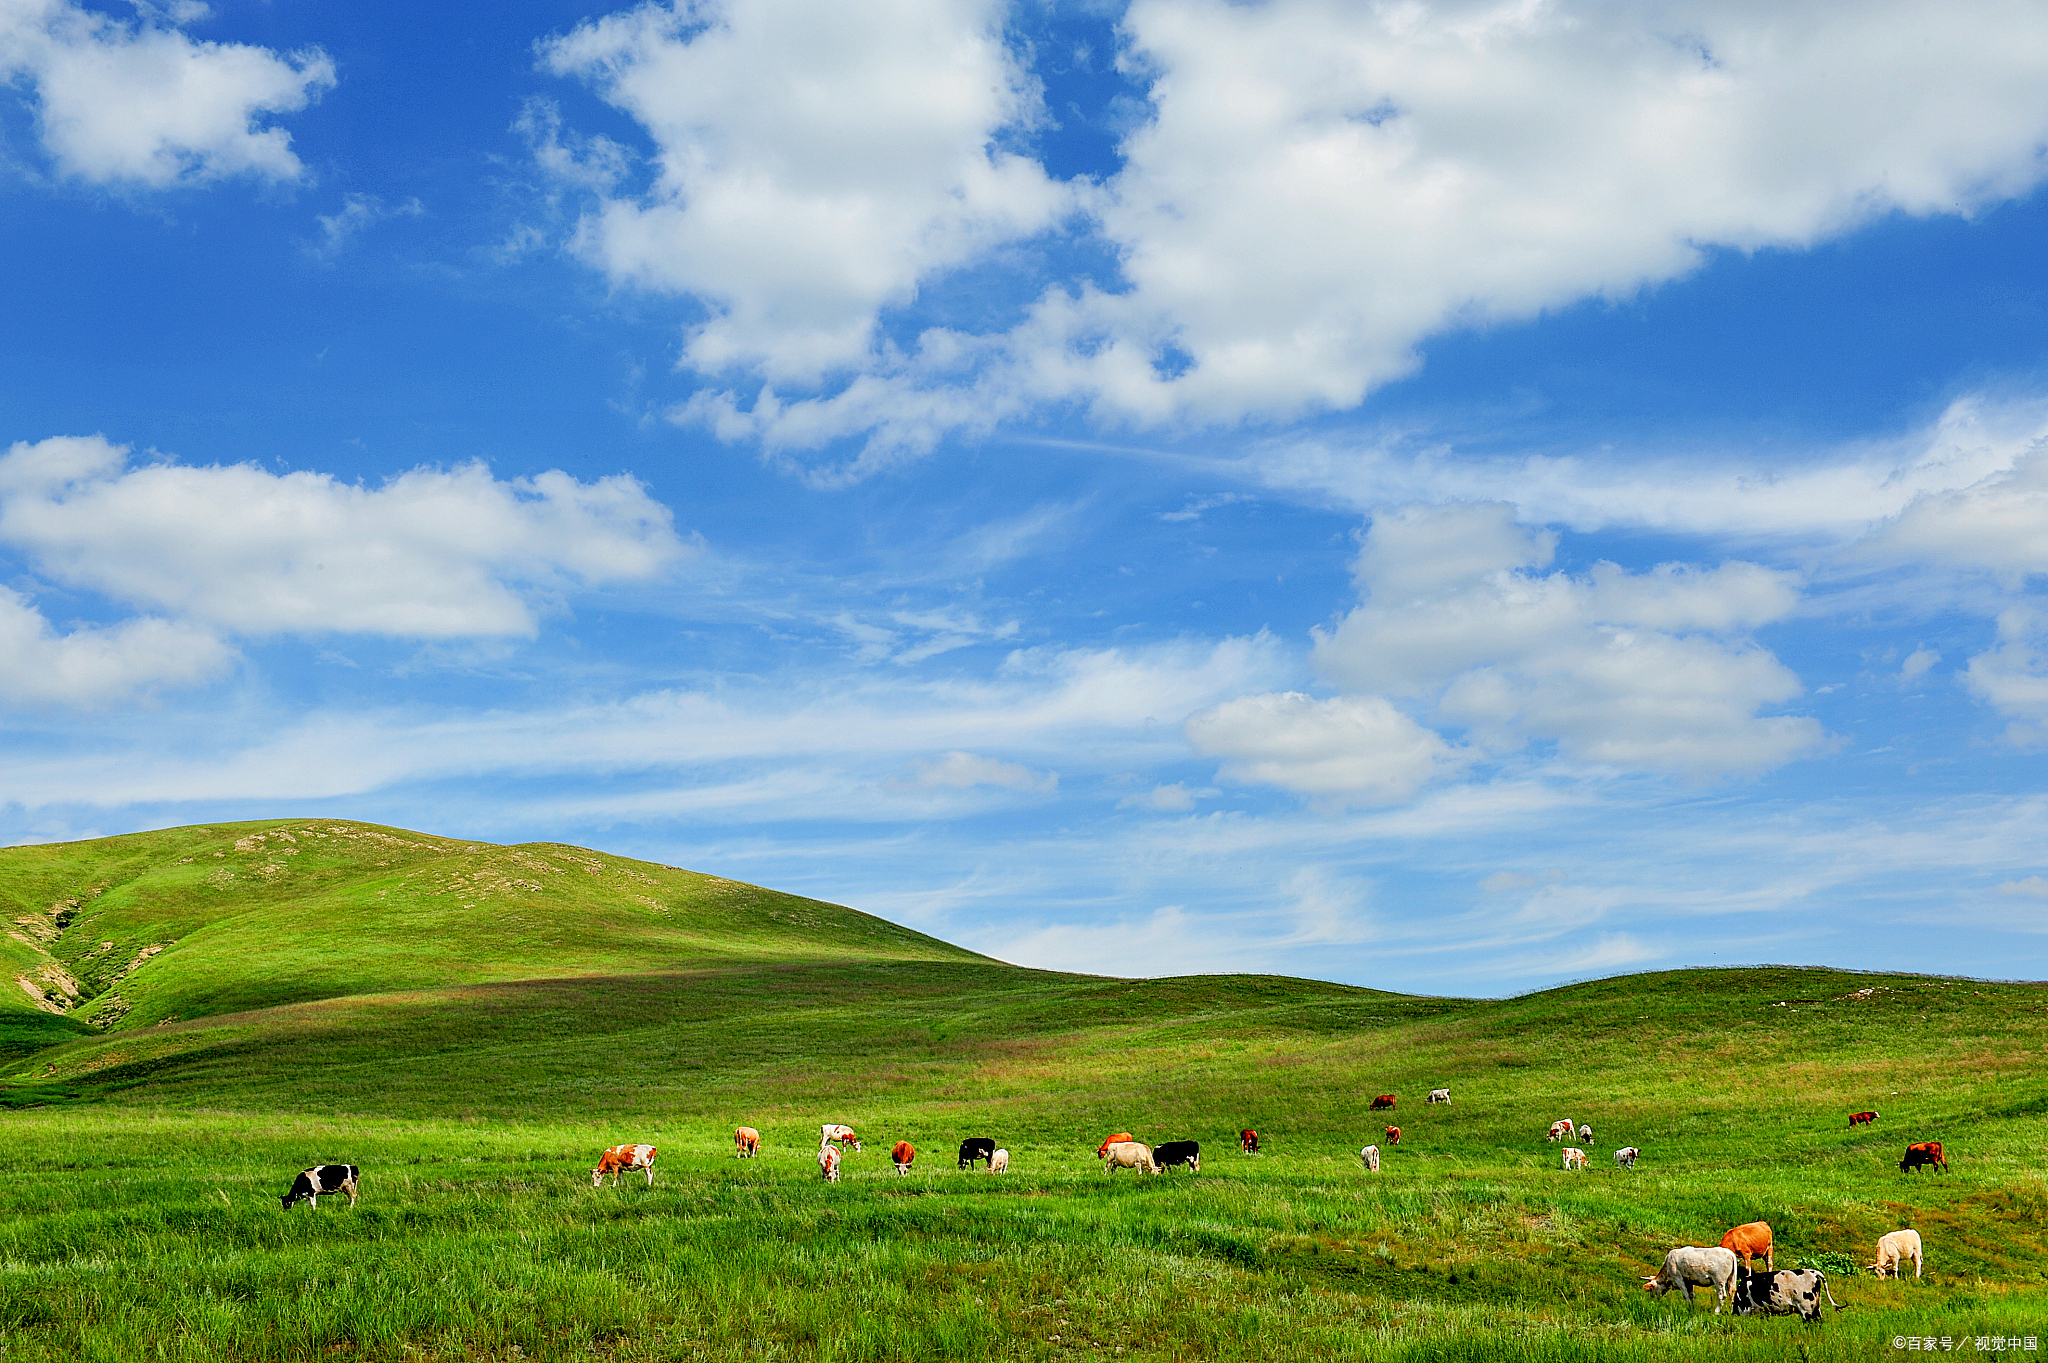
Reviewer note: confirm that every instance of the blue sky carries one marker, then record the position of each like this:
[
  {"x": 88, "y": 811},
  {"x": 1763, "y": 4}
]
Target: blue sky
[{"x": 1446, "y": 497}]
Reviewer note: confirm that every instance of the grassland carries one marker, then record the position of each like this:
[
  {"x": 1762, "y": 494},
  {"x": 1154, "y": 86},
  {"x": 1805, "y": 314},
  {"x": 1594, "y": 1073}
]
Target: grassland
[{"x": 471, "y": 1024}]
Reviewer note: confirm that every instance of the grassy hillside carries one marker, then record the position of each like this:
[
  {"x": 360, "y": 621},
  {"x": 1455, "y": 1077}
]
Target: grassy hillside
[{"x": 472, "y": 1027}]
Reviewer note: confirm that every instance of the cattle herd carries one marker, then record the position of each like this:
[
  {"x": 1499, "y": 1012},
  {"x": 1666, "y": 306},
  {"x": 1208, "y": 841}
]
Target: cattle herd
[{"x": 1728, "y": 1268}]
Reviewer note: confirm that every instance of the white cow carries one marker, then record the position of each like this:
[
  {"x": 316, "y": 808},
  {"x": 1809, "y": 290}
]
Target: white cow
[
  {"x": 1562, "y": 1129},
  {"x": 1625, "y": 1158},
  {"x": 828, "y": 1162},
  {"x": 1574, "y": 1158},
  {"x": 999, "y": 1163},
  {"x": 1128, "y": 1155},
  {"x": 1586, "y": 1134},
  {"x": 1371, "y": 1156},
  {"x": 1439, "y": 1096},
  {"x": 1690, "y": 1264},
  {"x": 1894, "y": 1249},
  {"x": 835, "y": 1131}
]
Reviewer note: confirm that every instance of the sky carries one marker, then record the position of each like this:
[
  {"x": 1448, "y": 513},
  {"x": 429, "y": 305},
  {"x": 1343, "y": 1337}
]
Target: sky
[{"x": 1450, "y": 497}]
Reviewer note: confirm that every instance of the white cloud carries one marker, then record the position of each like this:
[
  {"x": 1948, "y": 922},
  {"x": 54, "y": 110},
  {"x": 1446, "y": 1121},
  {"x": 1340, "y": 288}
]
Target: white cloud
[
  {"x": 432, "y": 553},
  {"x": 1321, "y": 185},
  {"x": 2033, "y": 887},
  {"x": 965, "y": 770},
  {"x": 143, "y": 103},
  {"x": 2012, "y": 675},
  {"x": 91, "y": 667},
  {"x": 1356, "y": 748},
  {"x": 1173, "y": 799},
  {"x": 816, "y": 162},
  {"x": 358, "y": 212},
  {"x": 1998, "y": 524},
  {"x": 1641, "y": 671},
  {"x": 1917, "y": 664}
]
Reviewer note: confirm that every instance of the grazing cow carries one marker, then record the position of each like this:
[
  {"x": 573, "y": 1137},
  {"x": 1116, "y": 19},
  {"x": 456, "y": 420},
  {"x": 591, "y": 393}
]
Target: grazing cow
[
  {"x": 1129, "y": 1155},
  {"x": 1574, "y": 1158},
  {"x": 999, "y": 1162},
  {"x": 835, "y": 1132},
  {"x": 1923, "y": 1152},
  {"x": 976, "y": 1148},
  {"x": 748, "y": 1143},
  {"x": 1894, "y": 1249},
  {"x": 1439, "y": 1096},
  {"x": 1625, "y": 1158},
  {"x": 1781, "y": 1292},
  {"x": 1751, "y": 1241},
  {"x": 1174, "y": 1153},
  {"x": 828, "y": 1162},
  {"x": 1371, "y": 1156},
  {"x": 1108, "y": 1141},
  {"x": 1689, "y": 1265},
  {"x": 903, "y": 1154},
  {"x": 1248, "y": 1141},
  {"x": 1862, "y": 1118},
  {"x": 1393, "y": 1135},
  {"x": 323, "y": 1178},
  {"x": 621, "y": 1160},
  {"x": 1385, "y": 1100},
  {"x": 1586, "y": 1133},
  {"x": 1562, "y": 1129}
]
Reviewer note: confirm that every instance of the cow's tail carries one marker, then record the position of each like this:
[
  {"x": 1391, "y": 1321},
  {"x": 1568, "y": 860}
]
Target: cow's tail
[{"x": 1830, "y": 1293}]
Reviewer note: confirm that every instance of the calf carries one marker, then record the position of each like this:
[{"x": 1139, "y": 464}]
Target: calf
[
  {"x": 1562, "y": 1129},
  {"x": 1751, "y": 1241},
  {"x": 903, "y": 1154},
  {"x": 1385, "y": 1100},
  {"x": 1923, "y": 1153},
  {"x": 1862, "y": 1118},
  {"x": 747, "y": 1143},
  {"x": 323, "y": 1178},
  {"x": 1625, "y": 1158},
  {"x": 1781, "y": 1292},
  {"x": 1371, "y": 1156},
  {"x": 976, "y": 1148},
  {"x": 1586, "y": 1133},
  {"x": 1574, "y": 1158},
  {"x": 834, "y": 1132},
  {"x": 1129, "y": 1155},
  {"x": 1439, "y": 1096},
  {"x": 1894, "y": 1249},
  {"x": 1393, "y": 1135},
  {"x": 1179, "y": 1153},
  {"x": 1108, "y": 1141},
  {"x": 1248, "y": 1141},
  {"x": 1689, "y": 1265},
  {"x": 828, "y": 1162},
  {"x": 620, "y": 1160},
  {"x": 999, "y": 1162}
]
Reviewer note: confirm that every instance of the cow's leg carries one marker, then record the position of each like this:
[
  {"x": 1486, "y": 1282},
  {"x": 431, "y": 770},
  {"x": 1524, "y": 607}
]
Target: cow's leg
[
  {"x": 350, "y": 1188},
  {"x": 650, "y": 1173},
  {"x": 313, "y": 1200},
  {"x": 1770, "y": 1257}
]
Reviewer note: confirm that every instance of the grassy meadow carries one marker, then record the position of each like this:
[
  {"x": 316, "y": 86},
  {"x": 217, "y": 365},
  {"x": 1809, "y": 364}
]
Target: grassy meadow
[{"x": 472, "y": 1024}]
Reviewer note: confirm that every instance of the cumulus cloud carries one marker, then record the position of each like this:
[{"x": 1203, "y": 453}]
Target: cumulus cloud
[
  {"x": 815, "y": 163},
  {"x": 2012, "y": 675},
  {"x": 1997, "y": 524},
  {"x": 1319, "y": 187},
  {"x": 965, "y": 770},
  {"x": 143, "y": 103},
  {"x": 2033, "y": 887},
  {"x": 1353, "y": 748},
  {"x": 1173, "y": 799},
  {"x": 431, "y": 554},
  {"x": 91, "y": 667}
]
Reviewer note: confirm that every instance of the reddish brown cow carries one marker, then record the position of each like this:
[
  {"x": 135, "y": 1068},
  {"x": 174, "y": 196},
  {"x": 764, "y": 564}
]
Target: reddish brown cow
[
  {"x": 1923, "y": 1152},
  {"x": 1384, "y": 1100},
  {"x": 1248, "y": 1141},
  {"x": 1393, "y": 1135},
  {"x": 1862, "y": 1118},
  {"x": 903, "y": 1154},
  {"x": 1750, "y": 1241},
  {"x": 1118, "y": 1138},
  {"x": 746, "y": 1142}
]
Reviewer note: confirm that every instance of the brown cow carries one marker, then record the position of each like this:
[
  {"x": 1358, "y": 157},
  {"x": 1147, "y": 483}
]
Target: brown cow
[
  {"x": 1393, "y": 1135},
  {"x": 1117, "y": 1139},
  {"x": 903, "y": 1154},
  {"x": 620, "y": 1159},
  {"x": 1862, "y": 1118},
  {"x": 1383, "y": 1101},
  {"x": 1923, "y": 1152},
  {"x": 1248, "y": 1141},
  {"x": 1750, "y": 1241},
  {"x": 747, "y": 1142}
]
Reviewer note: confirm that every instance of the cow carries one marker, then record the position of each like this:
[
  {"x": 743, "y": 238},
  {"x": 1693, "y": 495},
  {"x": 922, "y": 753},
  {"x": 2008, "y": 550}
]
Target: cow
[
  {"x": 1863, "y": 1118},
  {"x": 1562, "y": 1129},
  {"x": 1108, "y": 1141},
  {"x": 1385, "y": 1100},
  {"x": 1781, "y": 1292},
  {"x": 1177, "y": 1153},
  {"x": 828, "y": 1162},
  {"x": 323, "y": 1178},
  {"x": 1439, "y": 1096},
  {"x": 903, "y": 1154},
  {"x": 1129, "y": 1155},
  {"x": 1393, "y": 1135},
  {"x": 1894, "y": 1249},
  {"x": 621, "y": 1160},
  {"x": 1248, "y": 1141},
  {"x": 747, "y": 1143},
  {"x": 1574, "y": 1158},
  {"x": 1371, "y": 1156},
  {"x": 976, "y": 1148},
  {"x": 1689, "y": 1265},
  {"x": 835, "y": 1132},
  {"x": 1586, "y": 1133},
  {"x": 1625, "y": 1158},
  {"x": 999, "y": 1162},
  {"x": 1752, "y": 1241},
  {"x": 1923, "y": 1153}
]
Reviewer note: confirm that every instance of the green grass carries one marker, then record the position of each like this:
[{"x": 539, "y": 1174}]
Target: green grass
[{"x": 472, "y": 1043}]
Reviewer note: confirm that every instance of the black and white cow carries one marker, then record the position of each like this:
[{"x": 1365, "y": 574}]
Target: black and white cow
[
  {"x": 977, "y": 1148},
  {"x": 1179, "y": 1152},
  {"x": 1781, "y": 1292},
  {"x": 322, "y": 1178}
]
